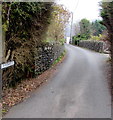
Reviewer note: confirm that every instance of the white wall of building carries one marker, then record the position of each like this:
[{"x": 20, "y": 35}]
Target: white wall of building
[{"x": 67, "y": 40}]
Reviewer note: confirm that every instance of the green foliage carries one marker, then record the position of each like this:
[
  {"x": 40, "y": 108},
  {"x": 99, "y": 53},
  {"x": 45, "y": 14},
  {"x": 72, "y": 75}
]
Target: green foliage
[
  {"x": 96, "y": 37},
  {"x": 62, "y": 41},
  {"x": 89, "y": 30},
  {"x": 18, "y": 17},
  {"x": 59, "y": 19},
  {"x": 97, "y": 28},
  {"x": 85, "y": 28},
  {"x": 77, "y": 38},
  {"x": 24, "y": 24},
  {"x": 59, "y": 58},
  {"x": 107, "y": 15}
]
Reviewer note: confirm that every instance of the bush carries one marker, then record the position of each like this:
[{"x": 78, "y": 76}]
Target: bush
[
  {"x": 77, "y": 38},
  {"x": 24, "y": 24},
  {"x": 96, "y": 37}
]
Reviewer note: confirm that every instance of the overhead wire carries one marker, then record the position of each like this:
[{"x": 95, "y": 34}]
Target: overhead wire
[{"x": 72, "y": 20}]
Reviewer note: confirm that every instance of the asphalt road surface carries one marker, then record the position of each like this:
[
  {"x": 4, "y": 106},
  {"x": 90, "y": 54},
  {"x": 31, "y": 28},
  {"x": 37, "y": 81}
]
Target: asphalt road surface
[{"x": 78, "y": 90}]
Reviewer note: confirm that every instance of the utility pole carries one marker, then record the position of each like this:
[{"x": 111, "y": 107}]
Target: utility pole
[
  {"x": 72, "y": 21},
  {"x": 71, "y": 27}
]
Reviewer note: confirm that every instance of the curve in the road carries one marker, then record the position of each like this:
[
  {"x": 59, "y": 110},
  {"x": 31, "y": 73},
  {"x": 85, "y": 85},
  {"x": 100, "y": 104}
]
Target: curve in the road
[{"x": 79, "y": 90}]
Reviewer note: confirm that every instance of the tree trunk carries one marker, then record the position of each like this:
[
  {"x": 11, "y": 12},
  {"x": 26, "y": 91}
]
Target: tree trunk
[
  {"x": 3, "y": 46},
  {"x": 112, "y": 58}
]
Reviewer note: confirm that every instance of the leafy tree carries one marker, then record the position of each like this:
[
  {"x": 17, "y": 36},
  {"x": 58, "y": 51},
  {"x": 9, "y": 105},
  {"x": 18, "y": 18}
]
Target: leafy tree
[
  {"x": 107, "y": 15},
  {"x": 97, "y": 28},
  {"x": 77, "y": 28},
  {"x": 59, "y": 19},
  {"x": 26, "y": 12},
  {"x": 85, "y": 28},
  {"x": 25, "y": 24}
]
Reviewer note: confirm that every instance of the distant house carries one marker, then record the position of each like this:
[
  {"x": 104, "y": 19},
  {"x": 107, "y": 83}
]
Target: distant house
[{"x": 67, "y": 40}]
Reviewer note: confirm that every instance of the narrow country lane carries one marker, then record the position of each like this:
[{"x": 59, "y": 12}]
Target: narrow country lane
[{"x": 78, "y": 90}]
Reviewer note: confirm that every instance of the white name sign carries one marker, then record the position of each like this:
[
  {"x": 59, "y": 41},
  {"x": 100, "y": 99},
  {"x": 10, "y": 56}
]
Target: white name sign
[{"x": 7, "y": 64}]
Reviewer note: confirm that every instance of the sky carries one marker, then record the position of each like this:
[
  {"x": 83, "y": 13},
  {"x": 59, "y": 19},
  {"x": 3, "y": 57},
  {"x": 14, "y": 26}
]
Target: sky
[{"x": 88, "y": 9}]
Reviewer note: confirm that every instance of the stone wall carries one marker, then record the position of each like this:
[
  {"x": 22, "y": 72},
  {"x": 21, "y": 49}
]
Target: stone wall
[
  {"x": 46, "y": 55},
  {"x": 97, "y": 46}
]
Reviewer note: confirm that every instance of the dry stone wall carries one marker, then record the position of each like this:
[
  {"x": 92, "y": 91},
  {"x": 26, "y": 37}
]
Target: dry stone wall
[
  {"x": 46, "y": 55},
  {"x": 97, "y": 46}
]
